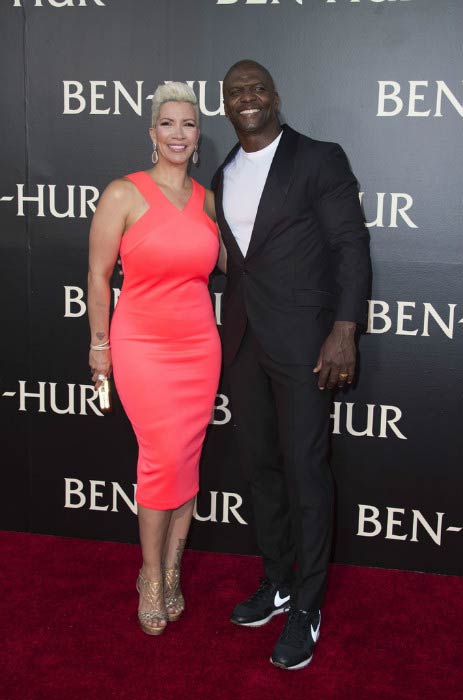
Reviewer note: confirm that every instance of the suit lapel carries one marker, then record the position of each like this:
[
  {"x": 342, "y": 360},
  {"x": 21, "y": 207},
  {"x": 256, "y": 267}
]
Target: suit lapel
[
  {"x": 217, "y": 185},
  {"x": 275, "y": 189},
  {"x": 273, "y": 195}
]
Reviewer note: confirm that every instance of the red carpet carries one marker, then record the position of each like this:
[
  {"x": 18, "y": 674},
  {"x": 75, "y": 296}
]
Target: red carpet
[{"x": 69, "y": 631}]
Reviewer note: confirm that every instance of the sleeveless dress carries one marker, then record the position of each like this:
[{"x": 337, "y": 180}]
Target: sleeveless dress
[{"x": 165, "y": 346}]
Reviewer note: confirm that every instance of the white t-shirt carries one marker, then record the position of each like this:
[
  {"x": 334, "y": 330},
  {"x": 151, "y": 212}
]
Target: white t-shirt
[{"x": 243, "y": 184}]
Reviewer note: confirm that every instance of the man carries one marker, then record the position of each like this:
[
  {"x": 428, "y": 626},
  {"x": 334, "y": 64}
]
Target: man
[{"x": 297, "y": 281}]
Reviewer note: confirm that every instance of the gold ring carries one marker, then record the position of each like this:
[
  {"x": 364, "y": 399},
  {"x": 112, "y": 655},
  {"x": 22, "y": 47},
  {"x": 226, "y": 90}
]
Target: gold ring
[{"x": 343, "y": 375}]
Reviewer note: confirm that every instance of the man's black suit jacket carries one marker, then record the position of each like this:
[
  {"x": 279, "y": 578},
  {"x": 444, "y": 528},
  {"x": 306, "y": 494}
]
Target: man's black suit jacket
[{"x": 308, "y": 261}]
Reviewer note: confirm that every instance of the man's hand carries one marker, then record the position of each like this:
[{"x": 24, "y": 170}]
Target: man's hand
[{"x": 336, "y": 362}]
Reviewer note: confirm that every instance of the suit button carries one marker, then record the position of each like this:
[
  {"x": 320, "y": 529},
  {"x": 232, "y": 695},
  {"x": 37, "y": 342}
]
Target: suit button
[{"x": 245, "y": 272}]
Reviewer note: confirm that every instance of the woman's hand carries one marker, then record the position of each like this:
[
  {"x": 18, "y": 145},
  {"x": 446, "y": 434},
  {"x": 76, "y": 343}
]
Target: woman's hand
[{"x": 100, "y": 364}]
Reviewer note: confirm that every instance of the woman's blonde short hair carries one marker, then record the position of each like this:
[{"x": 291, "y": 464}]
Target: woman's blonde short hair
[{"x": 172, "y": 92}]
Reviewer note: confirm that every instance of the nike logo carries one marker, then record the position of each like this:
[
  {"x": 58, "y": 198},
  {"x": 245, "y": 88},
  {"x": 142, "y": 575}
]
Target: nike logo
[
  {"x": 315, "y": 633},
  {"x": 279, "y": 601}
]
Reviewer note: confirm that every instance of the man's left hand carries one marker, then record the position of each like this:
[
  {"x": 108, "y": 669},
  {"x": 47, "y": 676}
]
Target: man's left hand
[{"x": 336, "y": 362}]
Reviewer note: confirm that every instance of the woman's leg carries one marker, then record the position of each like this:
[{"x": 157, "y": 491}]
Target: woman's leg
[
  {"x": 175, "y": 541},
  {"x": 153, "y": 525}
]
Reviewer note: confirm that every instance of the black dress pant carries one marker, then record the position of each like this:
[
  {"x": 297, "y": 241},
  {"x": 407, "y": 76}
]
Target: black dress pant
[{"x": 282, "y": 421}]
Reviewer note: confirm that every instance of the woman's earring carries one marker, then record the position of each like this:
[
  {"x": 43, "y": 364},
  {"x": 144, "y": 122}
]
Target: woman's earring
[
  {"x": 154, "y": 155},
  {"x": 195, "y": 157}
]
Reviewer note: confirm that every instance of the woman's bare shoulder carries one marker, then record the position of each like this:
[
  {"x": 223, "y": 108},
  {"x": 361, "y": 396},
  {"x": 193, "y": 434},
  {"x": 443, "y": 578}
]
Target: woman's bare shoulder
[
  {"x": 120, "y": 195},
  {"x": 120, "y": 189}
]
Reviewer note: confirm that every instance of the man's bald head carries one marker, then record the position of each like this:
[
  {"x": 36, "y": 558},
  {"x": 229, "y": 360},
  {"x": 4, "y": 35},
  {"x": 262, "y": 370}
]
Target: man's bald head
[{"x": 248, "y": 64}]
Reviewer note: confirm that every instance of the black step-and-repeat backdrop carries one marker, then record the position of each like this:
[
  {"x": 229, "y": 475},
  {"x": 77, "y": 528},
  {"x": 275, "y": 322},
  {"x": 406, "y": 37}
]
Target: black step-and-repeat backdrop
[{"x": 381, "y": 77}]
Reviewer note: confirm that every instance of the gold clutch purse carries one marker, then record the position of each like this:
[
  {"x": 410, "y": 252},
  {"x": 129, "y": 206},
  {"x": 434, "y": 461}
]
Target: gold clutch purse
[{"x": 104, "y": 396}]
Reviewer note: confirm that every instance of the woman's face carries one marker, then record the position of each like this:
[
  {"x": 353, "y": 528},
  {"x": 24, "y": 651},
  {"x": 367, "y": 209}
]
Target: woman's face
[{"x": 176, "y": 132}]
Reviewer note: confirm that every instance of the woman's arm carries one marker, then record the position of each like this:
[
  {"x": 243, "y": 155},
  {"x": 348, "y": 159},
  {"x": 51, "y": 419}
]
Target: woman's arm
[
  {"x": 222, "y": 259},
  {"x": 209, "y": 206},
  {"x": 106, "y": 231}
]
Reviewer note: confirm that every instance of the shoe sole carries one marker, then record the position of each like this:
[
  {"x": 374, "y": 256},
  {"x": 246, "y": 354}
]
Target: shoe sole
[
  {"x": 303, "y": 664},
  {"x": 152, "y": 631},
  {"x": 259, "y": 623}
]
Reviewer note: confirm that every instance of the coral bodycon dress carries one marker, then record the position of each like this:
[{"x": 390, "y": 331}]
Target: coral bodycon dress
[{"x": 164, "y": 342}]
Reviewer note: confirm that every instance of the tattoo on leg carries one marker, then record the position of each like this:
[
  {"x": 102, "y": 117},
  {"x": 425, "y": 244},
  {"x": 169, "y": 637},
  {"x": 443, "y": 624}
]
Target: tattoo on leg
[{"x": 100, "y": 335}]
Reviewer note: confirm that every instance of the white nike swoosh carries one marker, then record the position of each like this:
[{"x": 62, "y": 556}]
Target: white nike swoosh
[
  {"x": 315, "y": 633},
  {"x": 279, "y": 601}
]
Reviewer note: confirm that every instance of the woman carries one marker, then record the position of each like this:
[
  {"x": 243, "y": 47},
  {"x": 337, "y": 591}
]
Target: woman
[{"x": 163, "y": 348}]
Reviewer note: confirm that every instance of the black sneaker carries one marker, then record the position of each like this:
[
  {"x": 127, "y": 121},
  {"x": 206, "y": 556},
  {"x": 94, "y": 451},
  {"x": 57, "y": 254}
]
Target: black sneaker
[
  {"x": 294, "y": 648},
  {"x": 270, "y": 599}
]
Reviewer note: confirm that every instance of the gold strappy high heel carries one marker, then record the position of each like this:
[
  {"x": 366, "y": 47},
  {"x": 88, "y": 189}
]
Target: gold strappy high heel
[
  {"x": 172, "y": 594},
  {"x": 153, "y": 592}
]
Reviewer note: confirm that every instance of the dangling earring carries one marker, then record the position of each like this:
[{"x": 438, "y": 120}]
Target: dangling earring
[
  {"x": 154, "y": 155},
  {"x": 195, "y": 157}
]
